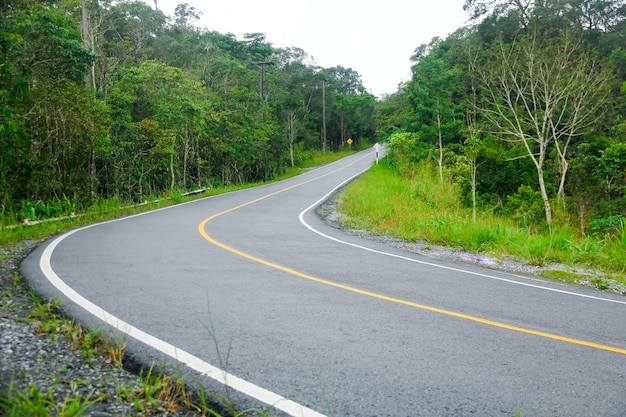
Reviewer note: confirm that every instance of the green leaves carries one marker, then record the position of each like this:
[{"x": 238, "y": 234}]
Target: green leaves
[{"x": 158, "y": 105}]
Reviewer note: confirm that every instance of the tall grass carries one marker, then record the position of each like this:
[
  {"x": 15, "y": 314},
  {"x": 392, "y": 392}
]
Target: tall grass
[{"x": 421, "y": 208}]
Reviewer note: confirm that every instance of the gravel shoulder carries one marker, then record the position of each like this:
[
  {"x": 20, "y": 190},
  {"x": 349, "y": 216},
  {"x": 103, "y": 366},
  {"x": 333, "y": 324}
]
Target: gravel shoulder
[
  {"x": 30, "y": 356},
  {"x": 329, "y": 213},
  {"x": 33, "y": 356}
]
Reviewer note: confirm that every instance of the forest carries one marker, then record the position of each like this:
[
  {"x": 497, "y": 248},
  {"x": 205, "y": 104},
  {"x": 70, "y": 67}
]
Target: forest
[
  {"x": 524, "y": 107},
  {"x": 115, "y": 100}
]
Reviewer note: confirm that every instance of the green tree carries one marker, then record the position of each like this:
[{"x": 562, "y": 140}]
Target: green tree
[
  {"x": 432, "y": 90},
  {"x": 43, "y": 58}
]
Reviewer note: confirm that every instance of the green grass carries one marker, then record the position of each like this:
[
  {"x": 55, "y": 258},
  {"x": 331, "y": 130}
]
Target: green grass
[
  {"x": 319, "y": 158},
  {"x": 36, "y": 403},
  {"x": 421, "y": 208}
]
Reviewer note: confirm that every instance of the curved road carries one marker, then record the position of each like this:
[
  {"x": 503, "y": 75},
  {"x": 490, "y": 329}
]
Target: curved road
[{"x": 251, "y": 292}]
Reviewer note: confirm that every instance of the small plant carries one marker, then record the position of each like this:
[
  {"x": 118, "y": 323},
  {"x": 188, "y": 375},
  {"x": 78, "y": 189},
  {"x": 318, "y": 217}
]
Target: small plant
[
  {"x": 156, "y": 393},
  {"x": 150, "y": 386},
  {"x": 600, "y": 283},
  {"x": 17, "y": 281},
  {"x": 115, "y": 354},
  {"x": 615, "y": 223},
  {"x": 41, "y": 308},
  {"x": 565, "y": 275},
  {"x": 222, "y": 359},
  {"x": 36, "y": 403}
]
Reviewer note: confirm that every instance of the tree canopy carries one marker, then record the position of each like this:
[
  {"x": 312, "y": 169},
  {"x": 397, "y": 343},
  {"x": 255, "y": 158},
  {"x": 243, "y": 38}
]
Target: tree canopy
[{"x": 114, "y": 99}]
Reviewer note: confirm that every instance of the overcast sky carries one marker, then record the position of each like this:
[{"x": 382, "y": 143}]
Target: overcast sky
[{"x": 374, "y": 38}]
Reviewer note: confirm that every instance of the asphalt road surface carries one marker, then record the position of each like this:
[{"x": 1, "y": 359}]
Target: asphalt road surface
[{"x": 252, "y": 293}]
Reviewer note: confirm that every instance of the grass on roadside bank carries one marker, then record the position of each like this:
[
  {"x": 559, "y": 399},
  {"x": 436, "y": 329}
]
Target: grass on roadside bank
[
  {"x": 157, "y": 393},
  {"x": 16, "y": 228},
  {"x": 34, "y": 402},
  {"x": 424, "y": 209}
]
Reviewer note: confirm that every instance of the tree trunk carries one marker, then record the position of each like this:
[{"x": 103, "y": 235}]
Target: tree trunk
[
  {"x": 544, "y": 196},
  {"x": 561, "y": 192},
  {"x": 292, "y": 133},
  {"x": 581, "y": 216},
  {"x": 172, "y": 176},
  {"x": 90, "y": 78},
  {"x": 92, "y": 170},
  {"x": 186, "y": 156},
  {"x": 564, "y": 167},
  {"x": 198, "y": 171},
  {"x": 440, "y": 160},
  {"x": 474, "y": 171}
]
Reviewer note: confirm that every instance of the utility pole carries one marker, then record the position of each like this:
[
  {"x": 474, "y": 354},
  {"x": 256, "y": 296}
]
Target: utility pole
[
  {"x": 262, "y": 77},
  {"x": 324, "y": 117},
  {"x": 262, "y": 65}
]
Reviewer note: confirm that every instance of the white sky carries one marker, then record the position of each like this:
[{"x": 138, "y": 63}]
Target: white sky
[{"x": 374, "y": 38}]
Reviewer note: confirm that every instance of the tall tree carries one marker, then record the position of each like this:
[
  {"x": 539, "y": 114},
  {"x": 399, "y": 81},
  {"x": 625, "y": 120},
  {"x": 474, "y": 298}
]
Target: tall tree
[{"x": 431, "y": 93}]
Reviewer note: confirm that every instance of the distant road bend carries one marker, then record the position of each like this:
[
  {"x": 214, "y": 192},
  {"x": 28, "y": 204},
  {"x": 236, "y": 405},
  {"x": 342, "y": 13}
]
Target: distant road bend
[{"x": 255, "y": 295}]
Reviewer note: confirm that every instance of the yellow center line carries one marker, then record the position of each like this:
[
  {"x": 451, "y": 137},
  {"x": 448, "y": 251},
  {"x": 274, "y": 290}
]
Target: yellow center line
[{"x": 201, "y": 229}]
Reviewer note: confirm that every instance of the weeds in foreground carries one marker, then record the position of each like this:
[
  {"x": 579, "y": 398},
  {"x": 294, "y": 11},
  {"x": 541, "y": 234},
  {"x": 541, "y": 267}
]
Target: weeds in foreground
[
  {"x": 158, "y": 393},
  {"x": 36, "y": 403},
  {"x": 154, "y": 394},
  {"x": 222, "y": 357},
  {"x": 150, "y": 396}
]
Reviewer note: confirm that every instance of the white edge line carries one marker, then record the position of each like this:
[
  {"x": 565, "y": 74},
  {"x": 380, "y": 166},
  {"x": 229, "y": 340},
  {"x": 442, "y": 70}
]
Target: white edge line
[
  {"x": 325, "y": 197},
  {"x": 263, "y": 395}
]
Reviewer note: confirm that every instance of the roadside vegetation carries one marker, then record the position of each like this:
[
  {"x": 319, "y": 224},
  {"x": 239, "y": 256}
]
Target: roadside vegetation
[
  {"x": 417, "y": 206},
  {"x": 38, "y": 219}
]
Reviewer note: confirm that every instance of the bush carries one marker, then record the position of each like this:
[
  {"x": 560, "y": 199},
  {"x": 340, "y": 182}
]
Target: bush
[
  {"x": 406, "y": 151},
  {"x": 525, "y": 206},
  {"x": 614, "y": 223}
]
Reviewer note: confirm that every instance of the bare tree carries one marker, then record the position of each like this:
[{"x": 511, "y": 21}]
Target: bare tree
[
  {"x": 540, "y": 94},
  {"x": 472, "y": 150},
  {"x": 292, "y": 133}
]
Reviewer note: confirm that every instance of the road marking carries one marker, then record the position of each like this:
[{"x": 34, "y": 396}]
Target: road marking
[
  {"x": 435, "y": 265},
  {"x": 273, "y": 400},
  {"x": 202, "y": 231}
]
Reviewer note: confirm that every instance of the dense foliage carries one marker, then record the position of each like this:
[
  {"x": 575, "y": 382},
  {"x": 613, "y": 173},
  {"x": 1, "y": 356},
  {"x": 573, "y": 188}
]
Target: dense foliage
[
  {"x": 113, "y": 99},
  {"x": 526, "y": 108}
]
